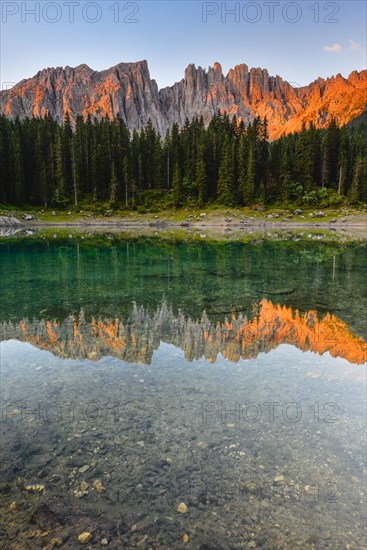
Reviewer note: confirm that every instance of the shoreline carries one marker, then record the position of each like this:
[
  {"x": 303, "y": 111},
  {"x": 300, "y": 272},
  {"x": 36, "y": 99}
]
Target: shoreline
[
  {"x": 212, "y": 223},
  {"x": 173, "y": 225},
  {"x": 358, "y": 226},
  {"x": 358, "y": 220}
]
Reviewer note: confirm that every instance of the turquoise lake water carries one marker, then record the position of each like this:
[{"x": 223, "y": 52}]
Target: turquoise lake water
[{"x": 141, "y": 374}]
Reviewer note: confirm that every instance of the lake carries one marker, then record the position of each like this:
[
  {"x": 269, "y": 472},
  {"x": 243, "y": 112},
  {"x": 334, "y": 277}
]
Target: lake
[{"x": 164, "y": 393}]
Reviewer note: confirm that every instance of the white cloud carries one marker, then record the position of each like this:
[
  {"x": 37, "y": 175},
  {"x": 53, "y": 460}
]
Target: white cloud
[
  {"x": 335, "y": 48},
  {"x": 354, "y": 45}
]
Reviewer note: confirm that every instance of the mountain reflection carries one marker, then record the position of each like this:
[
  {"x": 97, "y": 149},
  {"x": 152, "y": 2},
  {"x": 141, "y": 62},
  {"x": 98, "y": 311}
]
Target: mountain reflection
[{"x": 238, "y": 336}]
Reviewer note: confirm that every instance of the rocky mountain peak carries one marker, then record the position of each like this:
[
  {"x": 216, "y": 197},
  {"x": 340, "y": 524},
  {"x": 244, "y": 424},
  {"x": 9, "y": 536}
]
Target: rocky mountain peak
[{"x": 128, "y": 90}]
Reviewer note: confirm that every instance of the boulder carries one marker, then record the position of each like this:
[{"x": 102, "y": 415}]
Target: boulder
[{"x": 9, "y": 221}]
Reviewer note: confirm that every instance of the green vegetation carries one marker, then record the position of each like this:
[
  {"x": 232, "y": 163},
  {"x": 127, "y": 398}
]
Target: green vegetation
[{"x": 100, "y": 164}]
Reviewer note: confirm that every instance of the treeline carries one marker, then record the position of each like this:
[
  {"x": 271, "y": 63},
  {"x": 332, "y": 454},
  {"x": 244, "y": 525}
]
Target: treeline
[{"x": 43, "y": 163}]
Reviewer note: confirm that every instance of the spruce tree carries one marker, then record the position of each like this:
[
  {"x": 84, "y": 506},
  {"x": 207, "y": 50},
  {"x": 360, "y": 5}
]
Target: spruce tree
[
  {"x": 249, "y": 186},
  {"x": 225, "y": 180},
  {"x": 284, "y": 175},
  {"x": 304, "y": 160},
  {"x": 176, "y": 186},
  {"x": 113, "y": 186},
  {"x": 126, "y": 178},
  {"x": 355, "y": 190},
  {"x": 242, "y": 166},
  {"x": 59, "y": 196},
  {"x": 342, "y": 161}
]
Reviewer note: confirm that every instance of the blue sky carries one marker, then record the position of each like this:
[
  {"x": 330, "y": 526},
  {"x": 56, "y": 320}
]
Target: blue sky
[{"x": 297, "y": 40}]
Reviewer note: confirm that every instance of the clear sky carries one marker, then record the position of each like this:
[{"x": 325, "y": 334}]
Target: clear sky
[{"x": 297, "y": 40}]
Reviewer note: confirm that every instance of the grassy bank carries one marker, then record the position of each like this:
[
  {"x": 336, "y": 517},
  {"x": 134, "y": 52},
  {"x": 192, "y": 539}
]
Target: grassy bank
[{"x": 213, "y": 215}]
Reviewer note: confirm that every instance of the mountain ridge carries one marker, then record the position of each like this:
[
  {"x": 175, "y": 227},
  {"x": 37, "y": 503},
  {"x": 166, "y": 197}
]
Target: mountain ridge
[{"x": 127, "y": 89}]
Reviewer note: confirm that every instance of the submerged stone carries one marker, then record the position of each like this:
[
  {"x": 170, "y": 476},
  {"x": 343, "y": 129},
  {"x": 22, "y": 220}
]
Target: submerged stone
[
  {"x": 182, "y": 508},
  {"x": 84, "y": 537},
  {"x": 36, "y": 488},
  {"x": 98, "y": 486}
]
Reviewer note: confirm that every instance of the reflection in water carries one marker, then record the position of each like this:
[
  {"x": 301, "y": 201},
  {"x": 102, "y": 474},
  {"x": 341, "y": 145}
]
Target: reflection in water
[
  {"x": 126, "y": 419},
  {"x": 237, "y": 337}
]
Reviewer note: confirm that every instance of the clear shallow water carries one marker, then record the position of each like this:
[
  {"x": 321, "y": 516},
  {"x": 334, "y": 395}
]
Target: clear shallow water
[{"x": 252, "y": 413}]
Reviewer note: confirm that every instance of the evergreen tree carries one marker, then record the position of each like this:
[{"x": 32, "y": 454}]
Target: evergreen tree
[
  {"x": 113, "y": 186},
  {"x": 355, "y": 190},
  {"x": 225, "y": 180},
  {"x": 59, "y": 196},
  {"x": 249, "y": 187},
  {"x": 17, "y": 190},
  {"x": 284, "y": 175},
  {"x": 42, "y": 162},
  {"x": 304, "y": 160},
  {"x": 126, "y": 178},
  {"x": 242, "y": 166},
  {"x": 201, "y": 179},
  {"x": 176, "y": 186},
  {"x": 342, "y": 161}
]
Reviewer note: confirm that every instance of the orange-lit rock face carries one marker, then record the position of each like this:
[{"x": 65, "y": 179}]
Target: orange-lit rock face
[
  {"x": 234, "y": 338},
  {"x": 128, "y": 90}
]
